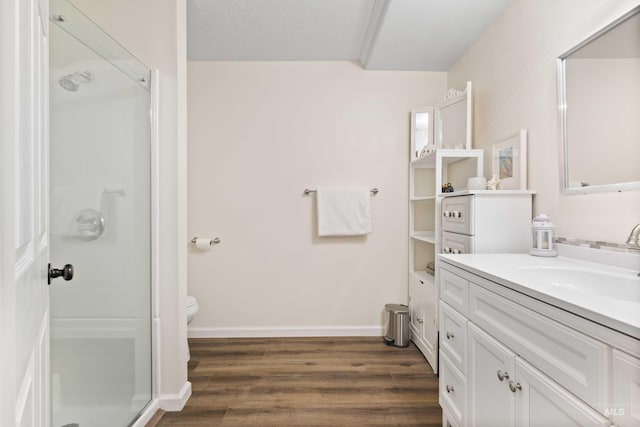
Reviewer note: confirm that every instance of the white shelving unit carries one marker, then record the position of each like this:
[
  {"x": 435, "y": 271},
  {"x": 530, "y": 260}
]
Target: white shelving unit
[
  {"x": 427, "y": 174},
  {"x": 445, "y": 131}
]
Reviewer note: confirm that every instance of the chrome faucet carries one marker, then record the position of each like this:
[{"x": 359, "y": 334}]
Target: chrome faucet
[{"x": 632, "y": 241}]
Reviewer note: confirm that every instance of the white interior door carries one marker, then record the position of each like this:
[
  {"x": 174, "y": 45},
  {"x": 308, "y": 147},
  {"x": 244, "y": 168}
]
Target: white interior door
[{"x": 24, "y": 240}]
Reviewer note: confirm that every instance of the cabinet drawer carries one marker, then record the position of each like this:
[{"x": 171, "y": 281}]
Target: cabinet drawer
[
  {"x": 415, "y": 284},
  {"x": 453, "y": 391},
  {"x": 423, "y": 284},
  {"x": 577, "y": 362},
  {"x": 626, "y": 390},
  {"x": 454, "y": 243},
  {"x": 453, "y": 336},
  {"x": 457, "y": 214},
  {"x": 454, "y": 290}
]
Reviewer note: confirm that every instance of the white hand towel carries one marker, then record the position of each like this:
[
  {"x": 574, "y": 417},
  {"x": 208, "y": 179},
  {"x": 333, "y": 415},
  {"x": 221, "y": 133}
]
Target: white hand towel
[{"x": 344, "y": 211}]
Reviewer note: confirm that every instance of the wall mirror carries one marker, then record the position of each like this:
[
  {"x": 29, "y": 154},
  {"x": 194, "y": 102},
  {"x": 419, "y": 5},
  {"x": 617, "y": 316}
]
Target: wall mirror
[
  {"x": 599, "y": 106},
  {"x": 421, "y": 132}
]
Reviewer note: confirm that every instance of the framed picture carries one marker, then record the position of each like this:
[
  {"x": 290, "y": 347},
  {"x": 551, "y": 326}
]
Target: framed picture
[{"x": 509, "y": 161}]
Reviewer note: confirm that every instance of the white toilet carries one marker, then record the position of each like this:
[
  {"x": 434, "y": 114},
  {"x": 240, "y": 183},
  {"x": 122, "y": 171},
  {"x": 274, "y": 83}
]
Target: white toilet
[{"x": 192, "y": 308}]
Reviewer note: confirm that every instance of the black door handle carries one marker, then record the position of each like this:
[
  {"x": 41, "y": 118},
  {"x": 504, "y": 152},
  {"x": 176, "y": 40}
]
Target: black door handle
[{"x": 66, "y": 273}]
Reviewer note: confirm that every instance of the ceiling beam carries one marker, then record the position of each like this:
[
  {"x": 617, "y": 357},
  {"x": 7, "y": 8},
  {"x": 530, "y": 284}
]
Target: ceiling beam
[{"x": 375, "y": 23}]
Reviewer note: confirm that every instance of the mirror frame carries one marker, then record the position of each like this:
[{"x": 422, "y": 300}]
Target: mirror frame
[{"x": 562, "y": 116}]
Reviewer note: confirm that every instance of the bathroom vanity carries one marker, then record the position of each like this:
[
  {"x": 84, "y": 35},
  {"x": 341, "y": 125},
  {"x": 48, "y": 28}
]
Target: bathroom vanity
[{"x": 529, "y": 341}]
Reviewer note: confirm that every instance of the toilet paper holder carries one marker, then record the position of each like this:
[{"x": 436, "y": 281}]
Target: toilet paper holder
[{"x": 213, "y": 241}]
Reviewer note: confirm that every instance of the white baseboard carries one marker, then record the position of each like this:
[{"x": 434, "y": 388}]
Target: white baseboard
[
  {"x": 279, "y": 332},
  {"x": 147, "y": 414},
  {"x": 175, "y": 402}
]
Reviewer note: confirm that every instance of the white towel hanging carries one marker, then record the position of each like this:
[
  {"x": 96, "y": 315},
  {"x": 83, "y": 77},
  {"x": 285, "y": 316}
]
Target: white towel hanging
[{"x": 344, "y": 211}]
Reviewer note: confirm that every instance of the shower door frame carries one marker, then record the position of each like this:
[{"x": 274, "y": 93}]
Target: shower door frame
[{"x": 154, "y": 181}]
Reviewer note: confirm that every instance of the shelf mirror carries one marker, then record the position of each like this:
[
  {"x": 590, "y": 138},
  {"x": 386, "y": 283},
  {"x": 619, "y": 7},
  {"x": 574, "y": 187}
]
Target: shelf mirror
[
  {"x": 599, "y": 106},
  {"x": 421, "y": 132}
]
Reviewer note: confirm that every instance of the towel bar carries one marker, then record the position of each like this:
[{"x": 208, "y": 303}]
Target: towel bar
[{"x": 374, "y": 191}]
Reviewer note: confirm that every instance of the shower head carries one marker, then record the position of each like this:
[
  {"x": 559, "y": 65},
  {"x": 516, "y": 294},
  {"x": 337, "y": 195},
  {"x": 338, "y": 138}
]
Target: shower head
[{"x": 72, "y": 82}]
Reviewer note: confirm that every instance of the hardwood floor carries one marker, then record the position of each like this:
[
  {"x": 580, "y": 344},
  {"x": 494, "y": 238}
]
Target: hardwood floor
[{"x": 307, "y": 382}]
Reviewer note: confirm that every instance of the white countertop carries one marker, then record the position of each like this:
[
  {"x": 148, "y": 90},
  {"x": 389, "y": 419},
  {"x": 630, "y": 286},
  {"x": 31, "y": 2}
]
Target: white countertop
[{"x": 536, "y": 277}]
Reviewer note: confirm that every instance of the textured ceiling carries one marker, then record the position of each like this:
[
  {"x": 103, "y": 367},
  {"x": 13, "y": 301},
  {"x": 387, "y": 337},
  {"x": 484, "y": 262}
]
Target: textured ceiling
[
  {"x": 381, "y": 34},
  {"x": 277, "y": 30}
]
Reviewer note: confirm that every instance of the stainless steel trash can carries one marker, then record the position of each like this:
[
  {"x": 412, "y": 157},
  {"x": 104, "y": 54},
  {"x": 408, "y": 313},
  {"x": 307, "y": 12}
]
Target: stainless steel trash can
[{"x": 397, "y": 325}]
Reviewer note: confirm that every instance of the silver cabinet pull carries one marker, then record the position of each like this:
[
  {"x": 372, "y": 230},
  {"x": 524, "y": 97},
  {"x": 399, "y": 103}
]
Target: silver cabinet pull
[
  {"x": 446, "y": 250},
  {"x": 456, "y": 251},
  {"x": 457, "y": 214},
  {"x": 514, "y": 386},
  {"x": 446, "y": 214},
  {"x": 450, "y": 389},
  {"x": 214, "y": 241},
  {"x": 502, "y": 375},
  {"x": 449, "y": 335}
]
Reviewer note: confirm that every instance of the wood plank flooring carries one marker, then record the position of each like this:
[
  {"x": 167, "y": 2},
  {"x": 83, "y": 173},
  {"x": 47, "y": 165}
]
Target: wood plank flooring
[{"x": 307, "y": 382}]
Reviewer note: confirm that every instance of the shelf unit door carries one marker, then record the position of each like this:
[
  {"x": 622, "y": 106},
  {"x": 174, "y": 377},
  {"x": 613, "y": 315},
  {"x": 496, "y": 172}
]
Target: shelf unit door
[
  {"x": 429, "y": 327},
  {"x": 415, "y": 316},
  {"x": 423, "y": 321}
]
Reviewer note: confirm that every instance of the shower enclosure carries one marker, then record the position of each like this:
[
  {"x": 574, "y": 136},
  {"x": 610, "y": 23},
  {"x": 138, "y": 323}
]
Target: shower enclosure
[{"x": 100, "y": 222}]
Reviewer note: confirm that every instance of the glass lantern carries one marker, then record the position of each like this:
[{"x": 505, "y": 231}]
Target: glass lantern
[{"x": 542, "y": 233}]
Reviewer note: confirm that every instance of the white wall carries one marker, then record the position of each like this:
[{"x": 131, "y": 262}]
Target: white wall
[
  {"x": 513, "y": 69},
  {"x": 154, "y": 31},
  {"x": 259, "y": 134}
]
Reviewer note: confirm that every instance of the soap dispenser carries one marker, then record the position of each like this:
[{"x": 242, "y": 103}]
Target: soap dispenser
[{"x": 542, "y": 232}]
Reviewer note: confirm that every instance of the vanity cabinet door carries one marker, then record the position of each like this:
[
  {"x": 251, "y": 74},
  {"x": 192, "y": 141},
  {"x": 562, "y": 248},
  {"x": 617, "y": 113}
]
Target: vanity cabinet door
[
  {"x": 626, "y": 390},
  {"x": 574, "y": 360},
  {"x": 491, "y": 402},
  {"x": 539, "y": 401}
]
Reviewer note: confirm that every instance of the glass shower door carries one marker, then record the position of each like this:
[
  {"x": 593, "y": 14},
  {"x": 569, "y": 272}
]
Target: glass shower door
[{"x": 100, "y": 222}]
